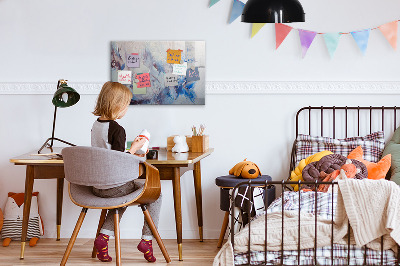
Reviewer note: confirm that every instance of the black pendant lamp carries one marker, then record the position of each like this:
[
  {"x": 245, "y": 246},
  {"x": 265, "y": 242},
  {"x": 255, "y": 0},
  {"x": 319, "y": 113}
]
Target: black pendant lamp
[{"x": 273, "y": 11}]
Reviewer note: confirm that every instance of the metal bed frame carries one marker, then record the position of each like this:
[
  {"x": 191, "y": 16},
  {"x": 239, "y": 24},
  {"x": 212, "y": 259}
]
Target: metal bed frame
[{"x": 283, "y": 184}]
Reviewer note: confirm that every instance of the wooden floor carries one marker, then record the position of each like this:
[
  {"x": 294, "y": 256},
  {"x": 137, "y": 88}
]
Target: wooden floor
[{"x": 50, "y": 252}]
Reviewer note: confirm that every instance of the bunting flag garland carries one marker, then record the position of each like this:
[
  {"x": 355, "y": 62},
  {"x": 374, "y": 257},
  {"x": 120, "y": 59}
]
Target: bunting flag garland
[
  {"x": 306, "y": 39},
  {"x": 361, "y": 37},
  {"x": 213, "y": 2},
  {"x": 281, "y": 31},
  {"x": 256, "y": 27},
  {"x": 389, "y": 30},
  {"x": 332, "y": 41},
  {"x": 237, "y": 9}
]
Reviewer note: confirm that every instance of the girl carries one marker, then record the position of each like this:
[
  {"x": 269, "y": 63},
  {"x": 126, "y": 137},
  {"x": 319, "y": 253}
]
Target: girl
[{"x": 112, "y": 104}]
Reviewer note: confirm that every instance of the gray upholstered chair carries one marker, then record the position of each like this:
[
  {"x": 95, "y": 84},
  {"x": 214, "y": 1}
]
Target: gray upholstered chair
[{"x": 85, "y": 167}]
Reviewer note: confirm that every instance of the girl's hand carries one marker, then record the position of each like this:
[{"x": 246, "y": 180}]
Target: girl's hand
[
  {"x": 143, "y": 155},
  {"x": 137, "y": 144}
]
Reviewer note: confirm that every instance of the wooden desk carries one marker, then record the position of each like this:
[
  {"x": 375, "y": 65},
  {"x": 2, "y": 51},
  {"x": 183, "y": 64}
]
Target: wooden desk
[
  {"x": 168, "y": 164},
  {"x": 40, "y": 167}
]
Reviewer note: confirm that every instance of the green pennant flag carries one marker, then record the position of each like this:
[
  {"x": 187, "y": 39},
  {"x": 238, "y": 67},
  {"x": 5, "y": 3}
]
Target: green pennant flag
[
  {"x": 332, "y": 41},
  {"x": 213, "y": 2}
]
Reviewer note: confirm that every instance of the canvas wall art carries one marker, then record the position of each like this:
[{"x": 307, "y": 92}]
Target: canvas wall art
[{"x": 160, "y": 72}]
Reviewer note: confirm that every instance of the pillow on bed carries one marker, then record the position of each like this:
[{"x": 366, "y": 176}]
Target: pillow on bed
[
  {"x": 372, "y": 145},
  {"x": 393, "y": 148},
  {"x": 375, "y": 170}
]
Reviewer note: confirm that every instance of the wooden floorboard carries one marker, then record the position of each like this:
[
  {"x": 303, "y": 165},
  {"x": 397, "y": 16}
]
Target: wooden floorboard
[{"x": 50, "y": 252}]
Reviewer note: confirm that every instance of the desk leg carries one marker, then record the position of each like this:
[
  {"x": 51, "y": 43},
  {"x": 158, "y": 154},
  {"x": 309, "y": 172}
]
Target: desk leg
[
  {"x": 199, "y": 204},
  {"x": 60, "y": 190},
  {"x": 176, "y": 182},
  {"x": 27, "y": 206}
]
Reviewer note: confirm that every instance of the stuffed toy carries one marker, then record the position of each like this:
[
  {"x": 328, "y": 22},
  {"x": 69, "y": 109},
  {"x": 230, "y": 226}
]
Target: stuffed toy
[
  {"x": 245, "y": 169},
  {"x": 180, "y": 144},
  {"x": 296, "y": 174},
  {"x": 375, "y": 170},
  {"x": 13, "y": 215}
]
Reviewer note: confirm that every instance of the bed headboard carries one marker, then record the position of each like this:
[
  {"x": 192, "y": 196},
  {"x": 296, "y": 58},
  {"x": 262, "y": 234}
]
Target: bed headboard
[{"x": 344, "y": 121}]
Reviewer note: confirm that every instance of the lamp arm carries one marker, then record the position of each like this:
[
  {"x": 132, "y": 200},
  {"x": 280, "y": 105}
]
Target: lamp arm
[
  {"x": 54, "y": 126},
  {"x": 54, "y": 118}
]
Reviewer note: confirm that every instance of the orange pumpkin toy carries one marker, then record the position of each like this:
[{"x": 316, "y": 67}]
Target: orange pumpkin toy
[{"x": 245, "y": 169}]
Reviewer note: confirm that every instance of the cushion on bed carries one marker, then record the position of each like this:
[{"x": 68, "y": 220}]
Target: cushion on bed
[
  {"x": 372, "y": 144},
  {"x": 393, "y": 148},
  {"x": 375, "y": 170},
  {"x": 328, "y": 164}
]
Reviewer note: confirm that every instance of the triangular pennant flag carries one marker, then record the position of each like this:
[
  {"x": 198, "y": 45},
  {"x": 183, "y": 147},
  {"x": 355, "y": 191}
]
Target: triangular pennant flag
[
  {"x": 361, "y": 37},
  {"x": 332, "y": 41},
  {"x": 237, "y": 9},
  {"x": 213, "y": 2},
  {"x": 390, "y": 32},
  {"x": 256, "y": 27},
  {"x": 306, "y": 39},
  {"x": 281, "y": 31}
]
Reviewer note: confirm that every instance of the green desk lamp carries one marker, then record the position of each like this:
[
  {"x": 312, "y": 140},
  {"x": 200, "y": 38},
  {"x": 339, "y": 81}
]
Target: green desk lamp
[{"x": 65, "y": 96}]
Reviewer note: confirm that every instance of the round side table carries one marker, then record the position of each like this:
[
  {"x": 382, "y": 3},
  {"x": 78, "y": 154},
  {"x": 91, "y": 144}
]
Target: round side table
[{"x": 228, "y": 182}]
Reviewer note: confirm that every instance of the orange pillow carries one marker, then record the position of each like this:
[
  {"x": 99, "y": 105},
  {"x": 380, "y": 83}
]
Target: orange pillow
[{"x": 375, "y": 170}]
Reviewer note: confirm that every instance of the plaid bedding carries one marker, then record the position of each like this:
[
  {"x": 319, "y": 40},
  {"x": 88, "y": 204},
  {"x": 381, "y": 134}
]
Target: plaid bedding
[
  {"x": 372, "y": 145},
  {"x": 323, "y": 207}
]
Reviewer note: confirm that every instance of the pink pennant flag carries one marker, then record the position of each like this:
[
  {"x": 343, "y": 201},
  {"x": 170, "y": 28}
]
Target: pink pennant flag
[
  {"x": 281, "y": 31},
  {"x": 389, "y": 30},
  {"x": 306, "y": 39}
]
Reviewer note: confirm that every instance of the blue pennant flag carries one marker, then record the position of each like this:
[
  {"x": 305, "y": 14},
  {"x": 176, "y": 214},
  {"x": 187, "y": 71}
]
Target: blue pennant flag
[
  {"x": 332, "y": 41},
  {"x": 213, "y": 2},
  {"x": 361, "y": 38},
  {"x": 237, "y": 9}
]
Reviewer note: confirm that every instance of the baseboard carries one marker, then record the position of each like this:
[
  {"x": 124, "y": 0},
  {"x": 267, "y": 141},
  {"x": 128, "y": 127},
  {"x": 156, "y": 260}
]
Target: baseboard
[{"x": 231, "y": 87}]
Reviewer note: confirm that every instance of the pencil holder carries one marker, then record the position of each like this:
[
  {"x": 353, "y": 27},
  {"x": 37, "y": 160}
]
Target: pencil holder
[{"x": 200, "y": 143}]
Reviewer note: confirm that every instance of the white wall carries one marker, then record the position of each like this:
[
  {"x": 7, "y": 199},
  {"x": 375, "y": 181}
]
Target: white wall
[{"x": 43, "y": 41}]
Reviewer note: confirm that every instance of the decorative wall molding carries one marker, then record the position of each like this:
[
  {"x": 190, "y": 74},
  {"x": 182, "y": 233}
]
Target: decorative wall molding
[{"x": 233, "y": 87}]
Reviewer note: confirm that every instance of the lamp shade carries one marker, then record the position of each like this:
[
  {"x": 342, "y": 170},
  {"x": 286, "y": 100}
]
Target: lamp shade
[
  {"x": 65, "y": 96},
  {"x": 273, "y": 11}
]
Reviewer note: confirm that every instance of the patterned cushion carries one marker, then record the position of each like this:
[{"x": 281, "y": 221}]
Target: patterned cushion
[{"x": 372, "y": 144}]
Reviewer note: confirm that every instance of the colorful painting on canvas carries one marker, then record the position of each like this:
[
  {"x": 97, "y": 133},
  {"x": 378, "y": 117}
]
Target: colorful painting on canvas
[{"x": 161, "y": 72}]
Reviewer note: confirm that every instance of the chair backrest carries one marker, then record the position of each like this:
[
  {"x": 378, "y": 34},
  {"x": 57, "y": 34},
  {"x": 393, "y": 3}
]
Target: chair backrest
[{"x": 92, "y": 166}]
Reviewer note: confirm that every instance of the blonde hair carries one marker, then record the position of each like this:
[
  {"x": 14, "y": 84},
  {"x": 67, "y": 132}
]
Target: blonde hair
[{"x": 112, "y": 98}]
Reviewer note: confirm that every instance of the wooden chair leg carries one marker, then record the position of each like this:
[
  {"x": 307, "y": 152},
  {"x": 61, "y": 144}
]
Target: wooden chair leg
[
  {"x": 73, "y": 237},
  {"x": 117, "y": 239},
  {"x": 101, "y": 222},
  {"x": 154, "y": 230},
  {"x": 223, "y": 229}
]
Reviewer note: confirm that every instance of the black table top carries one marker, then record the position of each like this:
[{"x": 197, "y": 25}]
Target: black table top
[{"x": 230, "y": 181}]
